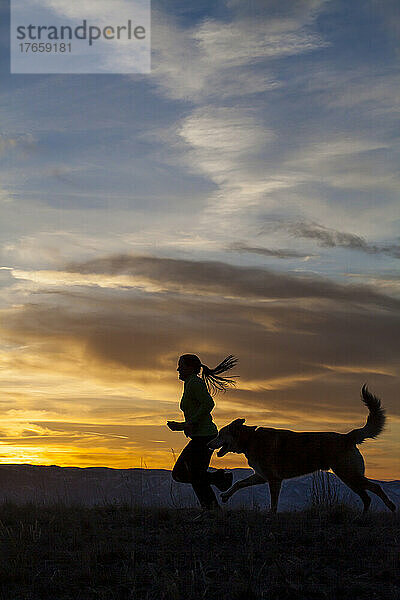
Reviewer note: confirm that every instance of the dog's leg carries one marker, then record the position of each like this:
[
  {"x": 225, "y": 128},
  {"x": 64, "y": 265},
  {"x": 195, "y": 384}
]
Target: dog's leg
[
  {"x": 274, "y": 489},
  {"x": 376, "y": 489},
  {"x": 358, "y": 488},
  {"x": 351, "y": 472},
  {"x": 254, "y": 479},
  {"x": 350, "y": 469},
  {"x": 357, "y": 485}
]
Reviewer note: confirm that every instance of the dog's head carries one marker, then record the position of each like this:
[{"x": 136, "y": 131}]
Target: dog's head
[{"x": 227, "y": 438}]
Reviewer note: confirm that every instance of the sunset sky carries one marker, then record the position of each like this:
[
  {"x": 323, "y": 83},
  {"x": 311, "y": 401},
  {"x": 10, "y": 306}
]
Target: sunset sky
[{"x": 242, "y": 198}]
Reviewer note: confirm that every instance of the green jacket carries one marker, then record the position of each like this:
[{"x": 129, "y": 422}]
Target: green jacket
[{"x": 197, "y": 404}]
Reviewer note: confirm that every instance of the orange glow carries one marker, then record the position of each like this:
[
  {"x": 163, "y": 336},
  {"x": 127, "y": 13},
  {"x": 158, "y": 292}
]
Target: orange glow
[{"x": 64, "y": 405}]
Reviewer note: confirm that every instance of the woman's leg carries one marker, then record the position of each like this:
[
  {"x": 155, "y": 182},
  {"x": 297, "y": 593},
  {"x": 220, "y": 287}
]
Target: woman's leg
[
  {"x": 182, "y": 468},
  {"x": 191, "y": 467},
  {"x": 200, "y": 477}
]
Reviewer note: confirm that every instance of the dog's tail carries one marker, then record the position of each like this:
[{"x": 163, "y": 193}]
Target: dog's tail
[{"x": 375, "y": 421}]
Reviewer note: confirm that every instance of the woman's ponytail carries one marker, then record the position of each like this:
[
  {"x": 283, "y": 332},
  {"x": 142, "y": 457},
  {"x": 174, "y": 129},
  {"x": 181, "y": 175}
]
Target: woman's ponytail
[{"x": 211, "y": 377}]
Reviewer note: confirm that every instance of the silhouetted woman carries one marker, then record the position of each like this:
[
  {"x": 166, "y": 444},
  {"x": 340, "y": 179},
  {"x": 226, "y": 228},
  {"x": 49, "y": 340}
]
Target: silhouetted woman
[{"x": 197, "y": 404}]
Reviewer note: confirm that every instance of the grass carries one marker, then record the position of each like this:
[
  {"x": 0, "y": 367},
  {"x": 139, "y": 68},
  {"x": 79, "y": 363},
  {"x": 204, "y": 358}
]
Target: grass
[
  {"x": 325, "y": 492},
  {"x": 120, "y": 552}
]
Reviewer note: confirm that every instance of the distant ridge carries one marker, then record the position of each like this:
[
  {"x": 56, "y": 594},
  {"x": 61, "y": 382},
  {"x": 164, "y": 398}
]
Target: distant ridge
[{"x": 151, "y": 487}]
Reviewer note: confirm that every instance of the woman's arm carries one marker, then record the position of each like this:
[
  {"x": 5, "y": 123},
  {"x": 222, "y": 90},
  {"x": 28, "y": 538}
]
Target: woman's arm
[
  {"x": 176, "y": 425},
  {"x": 181, "y": 426}
]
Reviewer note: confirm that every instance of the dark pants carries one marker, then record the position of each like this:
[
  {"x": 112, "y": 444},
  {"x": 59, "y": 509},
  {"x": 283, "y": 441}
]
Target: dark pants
[{"x": 191, "y": 467}]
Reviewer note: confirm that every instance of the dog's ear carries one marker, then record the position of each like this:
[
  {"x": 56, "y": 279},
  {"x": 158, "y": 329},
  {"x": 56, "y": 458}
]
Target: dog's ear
[{"x": 238, "y": 422}]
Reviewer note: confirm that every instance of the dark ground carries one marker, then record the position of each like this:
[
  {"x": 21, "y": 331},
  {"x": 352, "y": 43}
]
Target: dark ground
[{"x": 110, "y": 552}]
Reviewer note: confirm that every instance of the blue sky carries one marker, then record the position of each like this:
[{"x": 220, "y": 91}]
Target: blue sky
[{"x": 266, "y": 139}]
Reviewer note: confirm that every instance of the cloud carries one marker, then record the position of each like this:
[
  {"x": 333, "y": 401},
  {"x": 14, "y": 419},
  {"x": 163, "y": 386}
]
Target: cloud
[
  {"x": 331, "y": 238},
  {"x": 385, "y": 282},
  {"x": 24, "y": 142},
  {"x": 217, "y": 63},
  {"x": 6, "y": 143},
  {"x": 219, "y": 66},
  {"x": 127, "y": 339},
  {"x": 286, "y": 13},
  {"x": 5, "y": 196},
  {"x": 286, "y": 329},
  {"x": 305, "y": 347},
  {"x": 350, "y": 88},
  {"x": 227, "y": 144},
  {"x": 276, "y": 253},
  {"x": 389, "y": 12},
  {"x": 207, "y": 278},
  {"x": 353, "y": 163},
  {"x": 219, "y": 58},
  {"x": 218, "y": 278}
]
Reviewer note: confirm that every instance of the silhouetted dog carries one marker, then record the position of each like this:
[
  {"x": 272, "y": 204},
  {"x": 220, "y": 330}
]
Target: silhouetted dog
[{"x": 277, "y": 454}]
